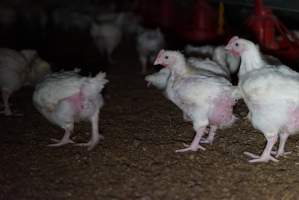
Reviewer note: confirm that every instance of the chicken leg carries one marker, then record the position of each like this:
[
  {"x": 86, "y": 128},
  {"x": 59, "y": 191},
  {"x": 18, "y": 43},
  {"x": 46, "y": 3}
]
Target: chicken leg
[
  {"x": 282, "y": 141},
  {"x": 5, "y": 96},
  {"x": 65, "y": 139},
  {"x": 7, "y": 111},
  {"x": 211, "y": 136},
  {"x": 143, "y": 61},
  {"x": 95, "y": 136},
  {"x": 266, "y": 155},
  {"x": 195, "y": 143}
]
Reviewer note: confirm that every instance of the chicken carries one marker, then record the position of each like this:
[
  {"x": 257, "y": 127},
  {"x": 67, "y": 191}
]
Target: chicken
[
  {"x": 107, "y": 36},
  {"x": 226, "y": 60},
  {"x": 66, "y": 97},
  {"x": 18, "y": 69},
  {"x": 158, "y": 79},
  {"x": 201, "y": 51},
  {"x": 149, "y": 42},
  {"x": 217, "y": 54},
  {"x": 200, "y": 66},
  {"x": 205, "y": 100},
  {"x": 271, "y": 94}
]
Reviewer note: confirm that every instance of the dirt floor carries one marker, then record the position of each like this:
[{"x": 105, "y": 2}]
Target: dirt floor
[{"x": 136, "y": 160}]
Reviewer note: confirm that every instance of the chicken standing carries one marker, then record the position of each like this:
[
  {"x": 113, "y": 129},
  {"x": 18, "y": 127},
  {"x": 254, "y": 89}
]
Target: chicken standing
[
  {"x": 18, "y": 69},
  {"x": 66, "y": 97},
  {"x": 271, "y": 94},
  {"x": 206, "y": 100},
  {"x": 149, "y": 43}
]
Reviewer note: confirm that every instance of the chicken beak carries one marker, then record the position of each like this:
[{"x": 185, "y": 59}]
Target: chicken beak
[
  {"x": 159, "y": 56},
  {"x": 157, "y": 61}
]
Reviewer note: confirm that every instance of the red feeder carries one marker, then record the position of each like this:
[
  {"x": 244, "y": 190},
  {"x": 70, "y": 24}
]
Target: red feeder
[
  {"x": 203, "y": 26},
  {"x": 157, "y": 12},
  {"x": 166, "y": 14},
  {"x": 272, "y": 35}
]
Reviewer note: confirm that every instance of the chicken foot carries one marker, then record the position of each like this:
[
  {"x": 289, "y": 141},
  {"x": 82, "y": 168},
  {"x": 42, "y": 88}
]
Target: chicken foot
[
  {"x": 95, "y": 136},
  {"x": 282, "y": 141},
  {"x": 195, "y": 143},
  {"x": 211, "y": 136},
  {"x": 266, "y": 155},
  {"x": 65, "y": 139},
  {"x": 7, "y": 111}
]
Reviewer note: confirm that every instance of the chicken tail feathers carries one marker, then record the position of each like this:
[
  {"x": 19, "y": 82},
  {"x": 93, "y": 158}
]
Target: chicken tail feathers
[
  {"x": 101, "y": 77},
  {"x": 94, "y": 85}
]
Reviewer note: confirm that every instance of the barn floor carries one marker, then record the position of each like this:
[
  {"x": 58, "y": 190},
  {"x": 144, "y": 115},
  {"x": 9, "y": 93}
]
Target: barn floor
[{"x": 136, "y": 160}]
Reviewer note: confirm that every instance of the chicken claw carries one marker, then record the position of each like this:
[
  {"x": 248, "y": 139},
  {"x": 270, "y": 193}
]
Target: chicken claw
[
  {"x": 61, "y": 142},
  {"x": 190, "y": 148},
  {"x": 277, "y": 153},
  {"x": 92, "y": 143},
  {"x": 263, "y": 158}
]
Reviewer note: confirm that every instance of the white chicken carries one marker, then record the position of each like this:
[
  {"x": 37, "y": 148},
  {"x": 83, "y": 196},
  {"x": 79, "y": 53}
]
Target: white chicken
[
  {"x": 18, "y": 69},
  {"x": 202, "y": 51},
  {"x": 217, "y": 54},
  {"x": 158, "y": 79},
  {"x": 200, "y": 66},
  {"x": 107, "y": 36},
  {"x": 271, "y": 94},
  {"x": 149, "y": 43},
  {"x": 66, "y": 97},
  {"x": 206, "y": 100}
]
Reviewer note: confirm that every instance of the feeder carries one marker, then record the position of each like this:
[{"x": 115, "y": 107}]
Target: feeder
[
  {"x": 157, "y": 13},
  {"x": 272, "y": 35},
  {"x": 203, "y": 24}
]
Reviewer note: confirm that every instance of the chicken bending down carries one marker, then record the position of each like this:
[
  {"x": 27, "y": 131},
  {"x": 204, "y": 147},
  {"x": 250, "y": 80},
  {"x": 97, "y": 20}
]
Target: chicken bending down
[
  {"x": 205, "y": 100},
  {"x": 18, "y": 69},
  {"x": 271, "y": 94},
  {"x": 66, "y": 97}
]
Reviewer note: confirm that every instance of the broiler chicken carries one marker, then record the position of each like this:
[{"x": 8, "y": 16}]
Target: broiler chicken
[
  {"x": 203, "y": 67},
  {"x": 271, "y": 94},
  {"x": 18, "y": 69},
  {"x": 107, "y": 36},
  {"x": 158, "y": 79},
  {"x": 206, "y": 100},
  {"x": 149, "y": 43},
  {"x": 66, "y": 97},
  {"x": 218, "y": 54}
]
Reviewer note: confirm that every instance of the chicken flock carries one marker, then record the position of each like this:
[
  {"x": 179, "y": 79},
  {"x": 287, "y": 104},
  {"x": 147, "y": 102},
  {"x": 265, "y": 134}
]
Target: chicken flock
[{"x": 198, "y": 82}]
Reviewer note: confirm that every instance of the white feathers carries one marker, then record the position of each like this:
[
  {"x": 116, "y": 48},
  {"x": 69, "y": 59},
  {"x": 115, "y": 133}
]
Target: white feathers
[
  {"x": 107, "y": 36},
  {"x": 271, "y": 94},
  {"x": 18, "y": 69},
  {"x": 199, "y": 66},
  {"x": 66, "y": 97},
  {"x": 149, "y": 42},
  {"x": 205, "y": 100},
  {"x": 158, "y": 79},
  {"x": 228, "y": 62}
]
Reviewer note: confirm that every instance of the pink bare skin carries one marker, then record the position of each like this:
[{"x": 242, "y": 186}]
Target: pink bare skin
[
  {"x": 216, "y": 112},
  {"x": 80, "y": 108},
  {"x": 256, "y": 73}
]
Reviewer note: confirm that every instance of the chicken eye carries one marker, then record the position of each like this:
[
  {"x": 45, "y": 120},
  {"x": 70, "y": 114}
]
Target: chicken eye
[
  {"x": 236, "y": 44},
  {"x": 166, "y": 57}
]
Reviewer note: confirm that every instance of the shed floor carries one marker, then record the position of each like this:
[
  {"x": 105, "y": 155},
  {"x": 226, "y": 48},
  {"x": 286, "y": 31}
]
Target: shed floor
[{"x": 136, "y": 160}]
